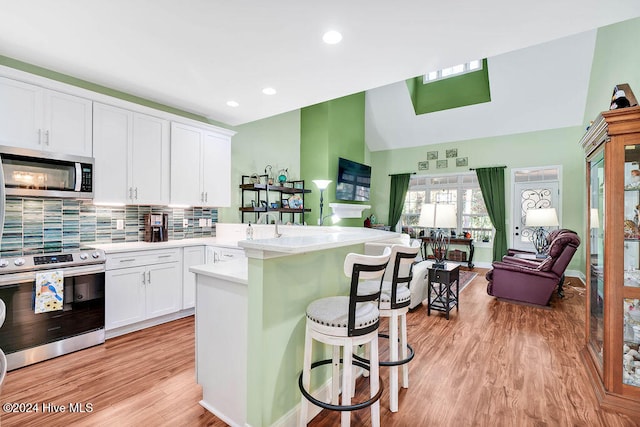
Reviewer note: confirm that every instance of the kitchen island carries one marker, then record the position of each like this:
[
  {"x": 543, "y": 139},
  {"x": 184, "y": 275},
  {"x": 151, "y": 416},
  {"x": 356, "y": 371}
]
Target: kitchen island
[{"x": 250, "y": 319}]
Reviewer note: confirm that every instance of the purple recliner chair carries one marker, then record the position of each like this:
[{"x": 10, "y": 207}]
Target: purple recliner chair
[{"x": 531, "y": 281}]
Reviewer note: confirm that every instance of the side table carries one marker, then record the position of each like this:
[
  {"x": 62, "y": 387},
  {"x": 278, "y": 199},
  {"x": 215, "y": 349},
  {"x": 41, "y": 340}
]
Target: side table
[
  {"x": 452, "y": 241},
  {"x": 444, "y": 288}
]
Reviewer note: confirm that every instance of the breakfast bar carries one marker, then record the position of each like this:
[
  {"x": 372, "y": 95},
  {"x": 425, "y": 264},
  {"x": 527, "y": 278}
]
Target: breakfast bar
[{"x": 250, "y": 317}]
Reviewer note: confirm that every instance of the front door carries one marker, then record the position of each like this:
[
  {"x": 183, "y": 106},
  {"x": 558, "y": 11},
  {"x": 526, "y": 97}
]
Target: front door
[{"x": 531, "y": 195}]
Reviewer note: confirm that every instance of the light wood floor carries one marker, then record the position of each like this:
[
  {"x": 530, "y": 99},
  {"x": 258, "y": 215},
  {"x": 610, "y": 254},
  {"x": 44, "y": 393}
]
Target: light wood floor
[{"x": 491, "y": 364}]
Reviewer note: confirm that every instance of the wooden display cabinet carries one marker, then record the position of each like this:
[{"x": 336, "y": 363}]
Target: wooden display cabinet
[{"x": 611, "y": 353}]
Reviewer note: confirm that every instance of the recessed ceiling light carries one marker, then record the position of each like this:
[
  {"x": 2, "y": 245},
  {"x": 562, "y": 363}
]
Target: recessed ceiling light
[
  {"x": 232, "y": 104},
  {"x": 269, "y": 91},
  {"x": 332, "y": 37}
]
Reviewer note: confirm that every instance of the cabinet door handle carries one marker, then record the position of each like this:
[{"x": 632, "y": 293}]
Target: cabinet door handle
[
  {"x": 164, "y": 256},
  {"x": 127, "y": 260},
  {"x": 131, "y": 192},
  {"x": 46, "y": 137},
  {"x": 136, "y": 193},
  {"x": 144, "y": 278},
  {"x": 206, "y": 196},
  {"x": 39, "y": 136},
  {"x": 149, "y": 277}
]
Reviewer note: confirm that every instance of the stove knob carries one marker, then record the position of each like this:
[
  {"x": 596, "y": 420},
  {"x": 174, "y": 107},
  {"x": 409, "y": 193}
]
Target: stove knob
[
  {"x": 83, "y": 256},
  {"x": 3, "y": 263},
  {"x": 19, "y": 262},
  {"x": 96, "y": 254}
]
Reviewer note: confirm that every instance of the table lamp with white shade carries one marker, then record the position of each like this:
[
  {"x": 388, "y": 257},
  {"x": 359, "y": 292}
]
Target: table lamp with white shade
[
  {"x": 439, "y": 219},
  {"x": 538, "y": 219}
]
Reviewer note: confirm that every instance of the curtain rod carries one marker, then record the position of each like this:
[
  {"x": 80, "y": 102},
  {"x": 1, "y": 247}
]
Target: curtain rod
[
  {"x": 394, "y": 174},
  {"x": 502, "y": 167}
]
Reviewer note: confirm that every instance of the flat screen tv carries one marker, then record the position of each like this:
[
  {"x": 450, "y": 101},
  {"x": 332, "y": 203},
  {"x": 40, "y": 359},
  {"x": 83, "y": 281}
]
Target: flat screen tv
[{"x": 354, "y": 180}]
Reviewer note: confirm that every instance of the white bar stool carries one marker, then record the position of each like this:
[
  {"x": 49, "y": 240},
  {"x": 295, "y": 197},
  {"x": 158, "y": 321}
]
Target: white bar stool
[
  {"x": 395, "y": 299},
  {"x": 346, "y": 321}
]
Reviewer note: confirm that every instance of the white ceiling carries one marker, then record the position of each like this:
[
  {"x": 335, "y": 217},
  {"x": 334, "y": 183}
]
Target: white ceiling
[
  {"x": 536, "y": 88},
  {"x": 198, "y": 54}
]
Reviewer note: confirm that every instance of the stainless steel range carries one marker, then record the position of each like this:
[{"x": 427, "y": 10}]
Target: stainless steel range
[{"x": 54, "y": 305}]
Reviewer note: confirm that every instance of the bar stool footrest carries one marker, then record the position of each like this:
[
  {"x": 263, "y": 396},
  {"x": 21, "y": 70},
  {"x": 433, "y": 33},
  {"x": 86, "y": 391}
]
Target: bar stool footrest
[
  {"x": 408, "y": 359},
  {"x": 332, "y": 407}
]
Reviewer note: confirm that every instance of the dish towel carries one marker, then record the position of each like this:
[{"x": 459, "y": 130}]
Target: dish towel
[{"x": 49, "y": 294}]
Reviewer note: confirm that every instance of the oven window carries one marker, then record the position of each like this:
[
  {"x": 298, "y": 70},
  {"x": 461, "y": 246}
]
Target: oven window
[{"x": 83, "y": 311}]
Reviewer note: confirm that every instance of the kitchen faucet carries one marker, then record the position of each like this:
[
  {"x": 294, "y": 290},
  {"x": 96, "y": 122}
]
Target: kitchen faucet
[{"x": 264, "y": 215}]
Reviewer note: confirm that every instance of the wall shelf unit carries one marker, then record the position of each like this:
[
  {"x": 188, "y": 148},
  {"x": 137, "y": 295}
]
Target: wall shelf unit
[{"x": 287, "y": 198}]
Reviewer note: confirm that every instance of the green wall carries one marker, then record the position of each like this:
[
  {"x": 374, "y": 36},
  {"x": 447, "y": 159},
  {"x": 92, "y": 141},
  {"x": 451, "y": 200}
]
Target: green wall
[
  {"x": 280, "y": 289},
  {"x": 616, "y": 60},
  {"x": 544, "y": 148},
  {"x": 272, "y": 141},
  {"x": 459, "y": 91},
  {"x": 330, "y": 130}
]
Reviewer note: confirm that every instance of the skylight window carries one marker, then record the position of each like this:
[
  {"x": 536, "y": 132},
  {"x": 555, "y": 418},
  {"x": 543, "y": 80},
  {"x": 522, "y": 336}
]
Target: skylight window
[{"x": 456, "y": 70}]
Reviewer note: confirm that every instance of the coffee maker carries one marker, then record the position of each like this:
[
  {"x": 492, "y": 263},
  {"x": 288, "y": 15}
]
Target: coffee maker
[{"x": 156, "y": 227}]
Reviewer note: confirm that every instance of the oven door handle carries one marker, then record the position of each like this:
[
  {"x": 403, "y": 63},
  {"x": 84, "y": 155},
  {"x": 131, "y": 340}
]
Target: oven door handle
[{"x": 30, "y": 276}]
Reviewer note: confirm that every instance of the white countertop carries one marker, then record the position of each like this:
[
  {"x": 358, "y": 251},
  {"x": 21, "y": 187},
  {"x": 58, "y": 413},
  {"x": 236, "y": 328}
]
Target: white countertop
[
  {"x": 144, "y": 246},
  {"x": 236, "y": 271},
  {"x": 327, "y": 238},
  {"x": 295, "y": 240}
]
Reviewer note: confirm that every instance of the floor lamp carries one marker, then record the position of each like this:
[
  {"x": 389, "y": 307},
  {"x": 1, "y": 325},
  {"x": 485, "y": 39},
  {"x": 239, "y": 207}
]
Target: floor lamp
[
  {"x": 439, "y": 219},
  {"x": 322, "y": 185},
  {"x": 538, "y": 219}
]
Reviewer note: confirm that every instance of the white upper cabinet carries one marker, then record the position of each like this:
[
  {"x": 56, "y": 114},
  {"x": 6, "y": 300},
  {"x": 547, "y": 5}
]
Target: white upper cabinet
[
  {"x": 112, "y": 134},
  {"x": 186, "y": 142},
  {"x": 150, "y": 163},
  {"x": 67, "y": 123},
  {"x": 200, "y": 166},
  {"x": 131, "y": 157},
  {"x": 216, "y": 169},
  {"x": 42, "y": 119}
]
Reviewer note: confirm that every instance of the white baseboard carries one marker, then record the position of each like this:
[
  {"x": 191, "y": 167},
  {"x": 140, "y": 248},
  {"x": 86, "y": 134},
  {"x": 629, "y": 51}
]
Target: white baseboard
[
  {"x": 220, "y": 414},
  {"x": 481, "y": 264},
  {"x": 290, "y": 419},
  {"x": 112, "y": 333},
  {"x": 576, "y": 273}
]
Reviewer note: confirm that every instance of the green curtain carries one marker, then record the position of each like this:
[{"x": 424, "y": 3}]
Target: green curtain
[
  {"x": 491, "y": 182},
  {"x": 399, "y": 186}
]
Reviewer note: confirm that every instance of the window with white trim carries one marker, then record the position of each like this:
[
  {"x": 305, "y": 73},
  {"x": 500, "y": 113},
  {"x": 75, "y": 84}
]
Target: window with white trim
[
  {"x": 456, "y": 70},
  {"x": 461, "y": 190}
]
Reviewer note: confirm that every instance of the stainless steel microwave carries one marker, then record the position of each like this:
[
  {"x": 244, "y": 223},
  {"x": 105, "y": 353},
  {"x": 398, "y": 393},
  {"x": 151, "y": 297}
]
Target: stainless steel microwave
[{"x": 41, "y": 174}]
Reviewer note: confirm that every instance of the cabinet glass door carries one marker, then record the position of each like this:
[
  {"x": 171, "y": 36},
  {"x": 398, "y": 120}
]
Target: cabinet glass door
[
  {"x": 631, "y": 211},
  {"x": 631, "y": 306},
  {"x": 596, "y": 256}
]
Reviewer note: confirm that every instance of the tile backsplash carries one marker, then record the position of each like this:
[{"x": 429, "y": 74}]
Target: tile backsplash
[{"x": 34, "y": 225}]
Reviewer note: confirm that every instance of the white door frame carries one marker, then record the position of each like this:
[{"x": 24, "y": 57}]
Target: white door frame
[{"x": 515, "y": 210}]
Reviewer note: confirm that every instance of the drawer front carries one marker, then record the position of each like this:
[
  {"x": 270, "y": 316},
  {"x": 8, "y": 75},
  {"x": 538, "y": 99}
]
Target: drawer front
[
  {"x": 231, "y": 254},
  {"x": 142, "y": 258},
  {"x": 440, "y": 276}
]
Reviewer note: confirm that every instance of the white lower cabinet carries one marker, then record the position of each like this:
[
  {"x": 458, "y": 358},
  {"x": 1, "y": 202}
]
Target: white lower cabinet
[
  {"x": 191, "y": 256},
  {"x": 142, "y": 285},
  {"x": 217, "y": 254}
]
